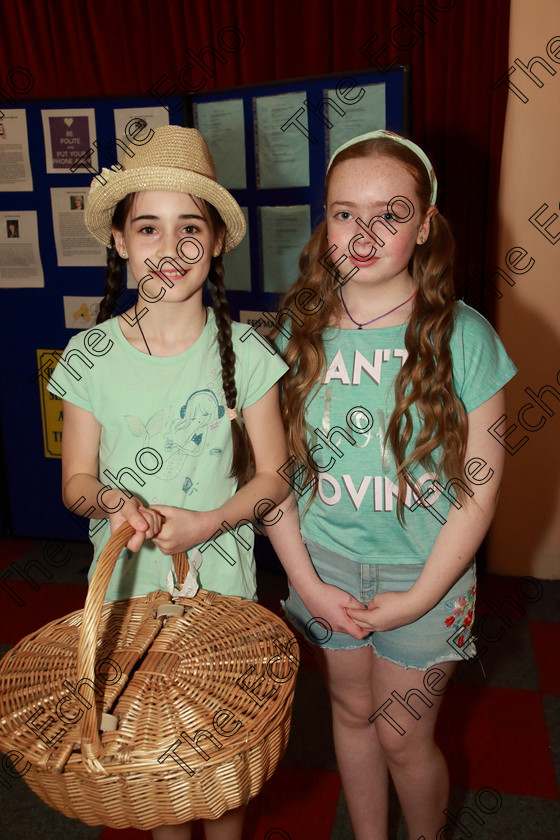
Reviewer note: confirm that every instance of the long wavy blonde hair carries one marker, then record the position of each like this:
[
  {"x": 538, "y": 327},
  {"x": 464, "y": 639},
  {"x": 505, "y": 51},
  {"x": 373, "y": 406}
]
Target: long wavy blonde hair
[{"x": 425, "y": 380}]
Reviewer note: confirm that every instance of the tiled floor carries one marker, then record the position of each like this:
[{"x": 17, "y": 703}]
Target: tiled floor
[{"x": 499, "y": 729}]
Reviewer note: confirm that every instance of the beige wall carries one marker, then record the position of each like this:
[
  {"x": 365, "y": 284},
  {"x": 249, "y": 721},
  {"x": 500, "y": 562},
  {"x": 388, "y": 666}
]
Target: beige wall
[{"x": 525, "y": 536}]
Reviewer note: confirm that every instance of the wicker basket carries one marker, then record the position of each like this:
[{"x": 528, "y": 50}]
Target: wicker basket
[{"x": 199, "y": 704}]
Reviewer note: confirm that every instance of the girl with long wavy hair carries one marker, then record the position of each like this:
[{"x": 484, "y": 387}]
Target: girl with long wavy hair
[{"x": 390, "y": 391}]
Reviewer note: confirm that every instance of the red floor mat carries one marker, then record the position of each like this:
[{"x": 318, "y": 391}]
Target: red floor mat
[
  {"x": 298, "y": 800},
  {"x": 546, "y": 644},
  {"x": 497, "y": 737},
  {"x": 51, "y": 601},
  {"x": 299, "y": 803},
  {"x": 11, "y": 549}
]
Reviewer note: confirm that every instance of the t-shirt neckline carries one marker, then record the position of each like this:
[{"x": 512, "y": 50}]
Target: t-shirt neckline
[
  {"x": 201, "y": 343},
  {"x": 339, "y": 330}
]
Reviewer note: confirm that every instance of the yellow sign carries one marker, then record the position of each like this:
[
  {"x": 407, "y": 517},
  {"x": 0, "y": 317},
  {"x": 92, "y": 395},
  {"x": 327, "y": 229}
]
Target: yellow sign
[{"x": 51, "y": 405}]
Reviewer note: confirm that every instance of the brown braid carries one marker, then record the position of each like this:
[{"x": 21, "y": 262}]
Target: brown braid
[
  {"x": 113, "y": 285},
  {"x": 242, "y": 462},
  {"x": 115, "y": 265}
]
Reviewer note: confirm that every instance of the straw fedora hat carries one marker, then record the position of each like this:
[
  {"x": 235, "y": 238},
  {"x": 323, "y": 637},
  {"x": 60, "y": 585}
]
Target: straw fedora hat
[{"x": 175, "y": 159}]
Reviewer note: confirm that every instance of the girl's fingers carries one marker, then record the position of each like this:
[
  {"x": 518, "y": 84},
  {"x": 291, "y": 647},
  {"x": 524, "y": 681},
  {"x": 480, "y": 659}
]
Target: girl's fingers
[
  {"x": 356, "y": 605},
  {"x": 154, "y": 519},
  {"x": 135, "y": 543},
  {"x": 363, "y": 624},
  {"x": 357, "y": 614},
  {"x": 147, "y": 523},
  {"x": 138, "y": 523}
]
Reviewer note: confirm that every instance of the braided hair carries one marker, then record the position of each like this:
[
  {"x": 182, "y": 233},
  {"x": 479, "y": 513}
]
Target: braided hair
[
  {"x": 243, "y": 461},
  {"x": 115, "y": 265},
  {"x": 242, "y": 466}
]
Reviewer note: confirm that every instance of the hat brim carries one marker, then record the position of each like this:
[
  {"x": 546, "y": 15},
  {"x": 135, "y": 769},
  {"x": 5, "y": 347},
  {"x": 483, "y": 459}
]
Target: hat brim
[{"x": 103, "y": 198}]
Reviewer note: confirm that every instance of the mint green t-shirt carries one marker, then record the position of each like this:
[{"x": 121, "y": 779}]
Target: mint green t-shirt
[
  {"x": 166, "y": 437},
  {"x": 354, "y": 512}
]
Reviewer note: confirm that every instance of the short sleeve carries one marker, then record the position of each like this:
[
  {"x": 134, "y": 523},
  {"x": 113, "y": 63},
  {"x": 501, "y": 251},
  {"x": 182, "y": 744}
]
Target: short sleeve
[
  {"x": 481, "y": 365},
  {"x": 69, "y": 378},
  {"x": 281, "y": 340},
  {"x": 261, "y": 365}
]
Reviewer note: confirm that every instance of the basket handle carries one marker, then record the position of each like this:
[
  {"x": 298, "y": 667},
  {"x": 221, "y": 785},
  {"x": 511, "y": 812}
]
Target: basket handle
[{"x": 87, "y": 645}]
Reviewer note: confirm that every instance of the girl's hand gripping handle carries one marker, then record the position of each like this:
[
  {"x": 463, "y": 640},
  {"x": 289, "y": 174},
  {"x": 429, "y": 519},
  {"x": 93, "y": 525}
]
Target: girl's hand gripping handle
[{"x": 147, "y": 523}]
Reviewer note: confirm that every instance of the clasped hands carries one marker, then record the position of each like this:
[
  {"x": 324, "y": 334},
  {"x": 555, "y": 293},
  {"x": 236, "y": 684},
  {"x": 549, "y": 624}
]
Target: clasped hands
[
  {"x": 345, "y": 614},
  {"x": 386, "y": 611},
  {"x": 171, "y": 529}
]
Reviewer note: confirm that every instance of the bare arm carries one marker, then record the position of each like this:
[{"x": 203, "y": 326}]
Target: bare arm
[
  {"x": 459, "y": 538},
  {"x": 321, "y": 599},
  {"x": 83, "y": 492}
]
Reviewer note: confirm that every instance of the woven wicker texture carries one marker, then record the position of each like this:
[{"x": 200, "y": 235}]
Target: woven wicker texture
[{"x": 202, "y": 705}]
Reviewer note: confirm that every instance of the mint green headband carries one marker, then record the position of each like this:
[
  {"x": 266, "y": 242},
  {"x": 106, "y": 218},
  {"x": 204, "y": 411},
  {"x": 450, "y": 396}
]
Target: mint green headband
[{"x": 371, "y": 135}]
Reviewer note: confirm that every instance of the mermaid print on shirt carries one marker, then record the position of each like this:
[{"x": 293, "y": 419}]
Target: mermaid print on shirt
[{"x": 181, "y": 437}]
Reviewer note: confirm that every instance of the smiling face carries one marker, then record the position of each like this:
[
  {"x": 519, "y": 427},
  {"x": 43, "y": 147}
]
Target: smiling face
[
  {"x": 360, "y": 191},
  {"x": 170, "y": 230}
]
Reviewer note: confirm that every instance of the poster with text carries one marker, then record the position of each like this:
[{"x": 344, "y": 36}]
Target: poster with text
[
  {"x": 74, "y": 243},
  {"x": 134, "y": 126},
  {"x": 51, "y": 405},
  {"x": 69, "y": 136},
  {"x": 15, "y": 167},
  {"x": 237, "y": 263},
  {"x": 260, "y": 321},
  {"x": 282, "y": 141},
  {"x": 223, "y": 127},
  {"x": 365, "y": 113},
  {"x": 284, "y": 232},
  {"x": 20, "y": 260}
]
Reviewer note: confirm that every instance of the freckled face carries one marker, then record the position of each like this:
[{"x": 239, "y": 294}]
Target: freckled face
[
  {"x": 163, "y": 224},
  {"x": 360, "y": 190}
]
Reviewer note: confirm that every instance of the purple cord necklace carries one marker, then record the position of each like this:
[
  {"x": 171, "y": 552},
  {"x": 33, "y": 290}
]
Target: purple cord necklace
[{"x": 367, "y": 323}]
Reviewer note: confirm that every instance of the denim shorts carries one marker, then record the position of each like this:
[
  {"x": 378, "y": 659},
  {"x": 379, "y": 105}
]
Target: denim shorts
[{"x": 438, "y": 636}]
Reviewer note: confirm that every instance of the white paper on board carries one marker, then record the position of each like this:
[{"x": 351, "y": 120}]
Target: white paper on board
[
  {"x": 284, "y": 232},
  {"x": 366, "y": 113},
  {"x": 237, "y": 263},
  {"x": 223, "y": 127},
  {"x": 282, "y": 155},
  {"x": 75, "y": 246},
  {"x": 133, "y": 126},
  {"x": 15, "y": 166},
  {"x": 80, "y": 313},
  {"x": 20, "y": 259}
]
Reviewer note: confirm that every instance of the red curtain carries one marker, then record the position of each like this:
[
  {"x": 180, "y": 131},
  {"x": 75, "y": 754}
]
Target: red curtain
[{"x": 456, "y": 49}]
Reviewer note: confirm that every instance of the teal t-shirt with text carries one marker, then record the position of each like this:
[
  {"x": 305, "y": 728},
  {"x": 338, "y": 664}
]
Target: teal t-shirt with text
[{"x": 354, "y": 511}]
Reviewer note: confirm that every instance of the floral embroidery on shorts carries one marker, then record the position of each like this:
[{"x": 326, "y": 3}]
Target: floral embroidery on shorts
[{"x": 462, "y": 613}]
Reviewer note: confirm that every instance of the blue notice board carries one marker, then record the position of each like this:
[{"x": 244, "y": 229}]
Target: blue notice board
[
  {"x": 298, "y": 124},
  {"x": 33, "y": 319},
  {"x": 272, "y": 141}
]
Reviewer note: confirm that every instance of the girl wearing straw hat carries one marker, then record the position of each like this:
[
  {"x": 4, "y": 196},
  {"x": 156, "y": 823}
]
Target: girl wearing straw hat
[{"x": 171, "y": 421}]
